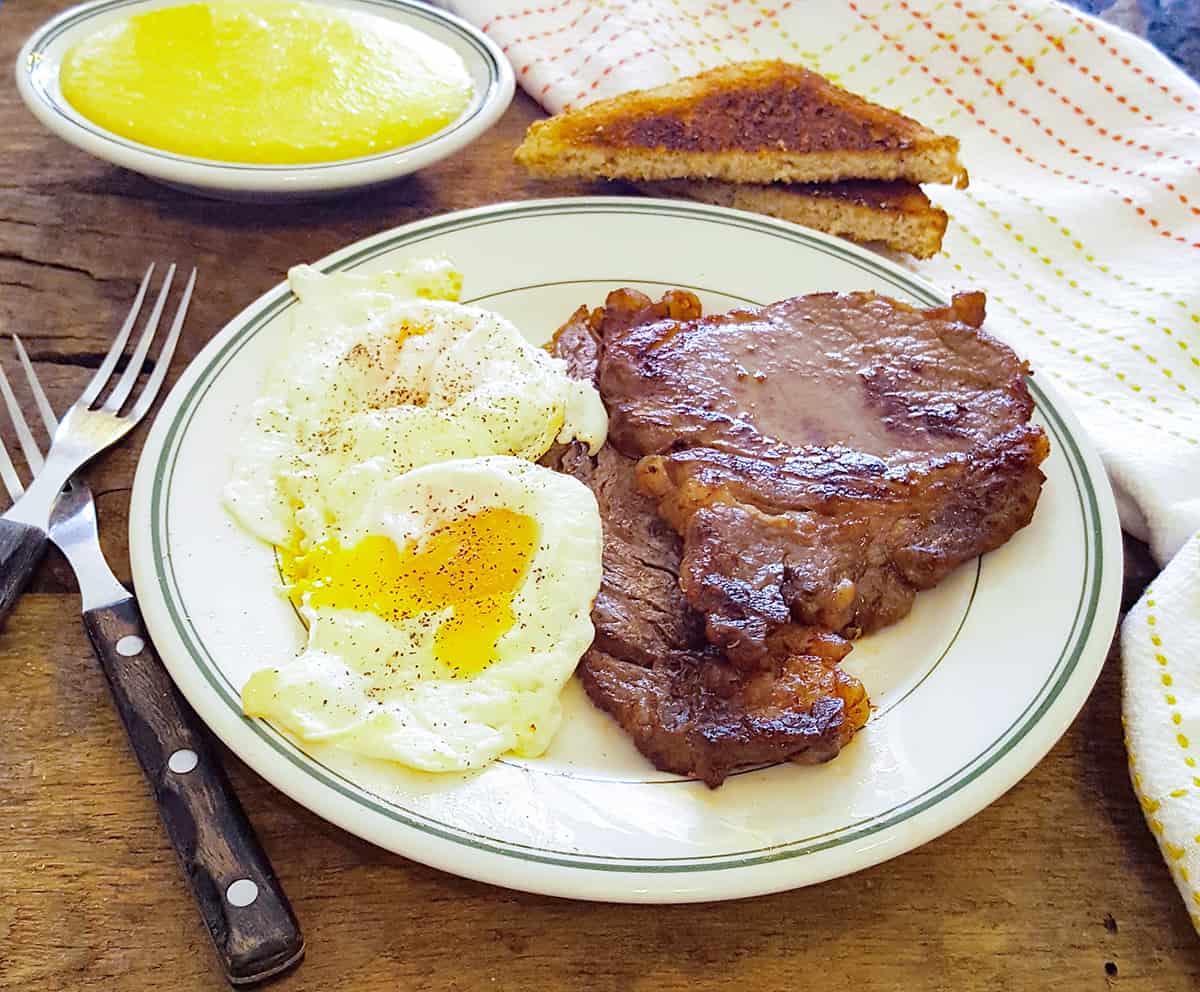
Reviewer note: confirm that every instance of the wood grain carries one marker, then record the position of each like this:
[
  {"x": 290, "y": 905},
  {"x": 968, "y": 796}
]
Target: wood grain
[{"x": 1058, "y": 885}]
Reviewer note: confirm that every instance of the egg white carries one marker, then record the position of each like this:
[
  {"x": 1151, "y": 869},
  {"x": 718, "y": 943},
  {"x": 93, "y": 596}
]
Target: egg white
[{"x": 383, "y": 374}]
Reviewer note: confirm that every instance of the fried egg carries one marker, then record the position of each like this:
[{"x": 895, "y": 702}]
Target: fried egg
[
  {"x": 445, "y": 613},
  {"x": 381, "y": 374}
]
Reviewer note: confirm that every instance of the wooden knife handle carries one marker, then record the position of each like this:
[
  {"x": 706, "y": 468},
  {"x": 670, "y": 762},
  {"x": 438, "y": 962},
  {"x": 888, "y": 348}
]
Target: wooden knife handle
[
  {"x": 21, "y": 549},
  {"x": 251, "y": 922}
]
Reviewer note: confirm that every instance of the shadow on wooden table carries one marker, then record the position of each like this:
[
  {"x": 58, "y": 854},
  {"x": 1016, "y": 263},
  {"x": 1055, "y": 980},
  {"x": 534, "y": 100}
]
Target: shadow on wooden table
[{"x": 184, "y": 205}]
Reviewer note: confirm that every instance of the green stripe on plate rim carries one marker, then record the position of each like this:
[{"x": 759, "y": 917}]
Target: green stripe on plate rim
[
  {"x": 71, "y": 18},
  {"x": 411, "y": 235}
]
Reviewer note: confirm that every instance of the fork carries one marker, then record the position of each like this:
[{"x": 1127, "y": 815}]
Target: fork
[
  {"x": 247, "y": 914},
  {"x": 21, "y": 546},
  {"x": 85, "y": 433}
]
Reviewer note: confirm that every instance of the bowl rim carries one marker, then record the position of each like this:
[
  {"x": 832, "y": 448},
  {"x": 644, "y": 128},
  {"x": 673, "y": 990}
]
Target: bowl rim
[{"x": 63, "y": 120}]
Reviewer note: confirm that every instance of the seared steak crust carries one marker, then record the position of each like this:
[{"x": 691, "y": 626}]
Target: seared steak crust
[
  {"x": 696, "y": 716},
  {"x": 686, "y": 708},
  {"x": 823, "y": 458}
]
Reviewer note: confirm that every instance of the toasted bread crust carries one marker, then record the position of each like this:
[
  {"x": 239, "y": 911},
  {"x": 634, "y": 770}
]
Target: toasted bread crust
[
  {"x": 898, "y": 214},
  {"x": 755, "y": 122}
]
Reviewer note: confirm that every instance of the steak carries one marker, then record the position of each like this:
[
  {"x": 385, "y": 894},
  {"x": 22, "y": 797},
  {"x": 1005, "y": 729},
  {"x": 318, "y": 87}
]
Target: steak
[
  {"x": 822, "y": 458},
  {"x": 651, "y": 667}
]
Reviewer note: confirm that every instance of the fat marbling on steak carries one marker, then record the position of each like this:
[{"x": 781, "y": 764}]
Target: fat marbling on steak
[
  {"x": 822, "y": 458},
  {"x": 651, "y": 668}
]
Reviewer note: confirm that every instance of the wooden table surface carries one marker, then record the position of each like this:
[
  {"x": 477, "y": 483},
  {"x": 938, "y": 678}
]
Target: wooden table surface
[{"x": 1057, "y": 885}]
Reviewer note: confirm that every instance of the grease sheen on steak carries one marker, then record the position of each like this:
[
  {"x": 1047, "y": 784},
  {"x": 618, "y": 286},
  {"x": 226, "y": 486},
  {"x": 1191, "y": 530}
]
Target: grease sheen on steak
[
  {"x": 823, "y": 458},
  {"x": 651, "y": 668}
]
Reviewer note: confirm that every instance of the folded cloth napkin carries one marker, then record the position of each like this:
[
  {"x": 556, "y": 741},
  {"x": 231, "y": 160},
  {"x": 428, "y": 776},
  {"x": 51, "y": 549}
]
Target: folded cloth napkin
[{"x": 1082, "y": 223}]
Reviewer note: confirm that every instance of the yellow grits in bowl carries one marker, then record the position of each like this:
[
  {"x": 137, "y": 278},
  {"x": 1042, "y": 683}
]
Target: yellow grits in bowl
[{"x": 265, "y": 82}]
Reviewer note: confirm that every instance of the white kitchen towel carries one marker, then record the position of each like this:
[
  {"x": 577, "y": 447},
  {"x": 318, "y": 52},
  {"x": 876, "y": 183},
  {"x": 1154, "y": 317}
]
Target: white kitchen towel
[{"x": 1082, "y": 223}]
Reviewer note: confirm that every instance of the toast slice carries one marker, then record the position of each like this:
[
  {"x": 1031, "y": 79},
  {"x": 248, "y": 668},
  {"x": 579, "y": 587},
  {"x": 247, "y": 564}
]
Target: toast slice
[
  {"x": 750, "y": 122},
  {"x": 898, "y": 214}
]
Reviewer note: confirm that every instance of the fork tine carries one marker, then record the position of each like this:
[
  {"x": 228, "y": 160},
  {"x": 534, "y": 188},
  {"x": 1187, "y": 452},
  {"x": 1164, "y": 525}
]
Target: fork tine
[
  {"x": 39, "y": 396},
  {"x": 33, "y": 454},
  {"x": 105, "y": 370},
  {"x": 125, "y": 385},
  {"x": 9, "y": 475},
  {"x": 164, "y": 356}
]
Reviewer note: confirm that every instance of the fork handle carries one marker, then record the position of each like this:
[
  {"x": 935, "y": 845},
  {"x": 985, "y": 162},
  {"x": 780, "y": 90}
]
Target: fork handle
[
  {"x": 251, "y": 922},
  {"x": 21, "y": 548}
]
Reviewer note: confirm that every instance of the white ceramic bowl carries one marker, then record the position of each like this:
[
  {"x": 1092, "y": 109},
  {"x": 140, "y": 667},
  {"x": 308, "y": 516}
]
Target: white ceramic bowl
[{"x": 41, "y": 57}]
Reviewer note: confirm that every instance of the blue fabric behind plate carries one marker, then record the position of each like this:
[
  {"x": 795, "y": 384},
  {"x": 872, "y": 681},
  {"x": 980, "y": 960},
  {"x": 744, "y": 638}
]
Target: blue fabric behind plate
[{"x": 1172, "y": 26}]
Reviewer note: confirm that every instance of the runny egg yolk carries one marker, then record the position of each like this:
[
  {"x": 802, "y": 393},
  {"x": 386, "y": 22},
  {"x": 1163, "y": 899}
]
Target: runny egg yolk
[{"x": 473, "y": 565}]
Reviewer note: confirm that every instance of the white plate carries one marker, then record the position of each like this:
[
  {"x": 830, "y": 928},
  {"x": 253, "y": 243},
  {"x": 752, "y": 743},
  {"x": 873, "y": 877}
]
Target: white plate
[
  {"x": 971, "y": 689},
  {"x": 41, "y": 57}
]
